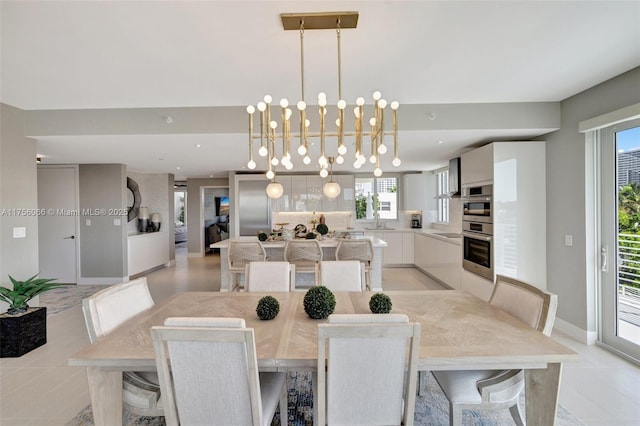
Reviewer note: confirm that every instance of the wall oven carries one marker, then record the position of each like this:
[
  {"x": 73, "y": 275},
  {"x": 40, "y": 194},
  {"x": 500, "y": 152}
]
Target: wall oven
[
  {"x": 477, "y": 203},
  {"x": 477, "y": 246}
]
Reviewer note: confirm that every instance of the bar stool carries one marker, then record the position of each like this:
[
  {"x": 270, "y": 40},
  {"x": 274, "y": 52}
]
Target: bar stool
[
  {"x": 241, "y": 253},
  {"x": 360, "y": 250},
  {"x": 306, "y": 255}
]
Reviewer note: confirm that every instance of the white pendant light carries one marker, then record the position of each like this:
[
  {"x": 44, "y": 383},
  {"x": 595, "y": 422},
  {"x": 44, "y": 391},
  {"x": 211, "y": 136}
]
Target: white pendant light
[
  {"x": 275, "y": 190},
  {"x": 331, "y": 189}
]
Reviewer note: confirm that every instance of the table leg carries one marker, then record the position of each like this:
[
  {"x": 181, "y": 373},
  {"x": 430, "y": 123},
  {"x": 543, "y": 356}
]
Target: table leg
[
  {"x": 542, "y": 391},
  {"x": 105, "y": 388}
]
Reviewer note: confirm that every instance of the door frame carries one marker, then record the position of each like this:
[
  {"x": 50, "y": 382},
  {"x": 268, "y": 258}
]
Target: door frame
[{"x": 76, "y": 196}]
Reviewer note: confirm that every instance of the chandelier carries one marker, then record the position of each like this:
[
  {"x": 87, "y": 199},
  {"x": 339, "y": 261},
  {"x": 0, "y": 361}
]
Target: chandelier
[{"x": 271, "y": 134}]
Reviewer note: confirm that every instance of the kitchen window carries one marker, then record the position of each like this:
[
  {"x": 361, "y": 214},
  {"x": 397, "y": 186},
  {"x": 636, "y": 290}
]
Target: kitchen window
[
  {"x": 443, "y": 200},
  {"x": 376, "y": 195}
]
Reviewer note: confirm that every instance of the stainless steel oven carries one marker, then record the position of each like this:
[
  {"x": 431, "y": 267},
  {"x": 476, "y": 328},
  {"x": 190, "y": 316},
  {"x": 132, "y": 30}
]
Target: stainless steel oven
[
  {"x": 477, "y": 246},
  {"x": 477, "y": 203}
]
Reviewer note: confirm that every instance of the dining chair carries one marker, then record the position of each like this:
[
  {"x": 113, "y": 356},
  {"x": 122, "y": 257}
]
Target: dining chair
[
  {"x": 306, "y": 255},
  {"x": 360, "y": 250},
  {"x": 345, "y": 275},
  {"x": 270, "y": 276},
  {"x": 367, "y": 370},
  {"x": 499, "y": 389},
  {"x": 106, "y": 310},
  {"x": 208, "y": 373},
  {"x": 241, "y": 253}
]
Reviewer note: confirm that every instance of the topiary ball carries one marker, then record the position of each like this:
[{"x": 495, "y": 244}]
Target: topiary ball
[
  {"x": 380, "y": 303},
  {"x": 322, "y": 229},
  {"x": 311, "y": 236},
  {"x": 268, "y": 308},
  {"x": 262, "y": 236},
  {"x": 319, "y": 302}
]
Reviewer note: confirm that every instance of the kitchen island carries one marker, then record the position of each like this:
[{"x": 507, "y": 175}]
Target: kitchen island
[{"x": 275, "y": 252}]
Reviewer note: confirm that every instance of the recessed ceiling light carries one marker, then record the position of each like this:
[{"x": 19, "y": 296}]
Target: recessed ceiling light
[
  {"x": 439, "y": 142},
  {"x": 197, "y": 145},
  {"x": 210, "y": 176},
  {"x": 178, "y": 167}
]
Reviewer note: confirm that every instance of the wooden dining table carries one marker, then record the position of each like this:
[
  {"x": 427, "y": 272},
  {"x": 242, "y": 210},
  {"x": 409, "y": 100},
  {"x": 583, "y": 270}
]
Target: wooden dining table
[{"x": 459, "y": 332}]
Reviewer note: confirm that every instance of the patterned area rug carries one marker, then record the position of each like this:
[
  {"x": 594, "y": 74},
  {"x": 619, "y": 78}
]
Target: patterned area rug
[
  {"x": 431, "y": 409},
  {"x": 66, "y": 297}
]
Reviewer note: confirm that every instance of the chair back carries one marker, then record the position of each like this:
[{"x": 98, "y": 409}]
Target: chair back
[
  {"x": 243, "y": 252},
  {"x": 108, "y": 308},
  {"x": 529, "y": 304},
  {"x": 303, "y": 252},
  {"x": 351, "y": 249},
  {"x": 366, "y": 360},
  {"x": 345, "y": 275},
  {"x": 208, "y": 371},
  {"x": 270, "y": 276}
]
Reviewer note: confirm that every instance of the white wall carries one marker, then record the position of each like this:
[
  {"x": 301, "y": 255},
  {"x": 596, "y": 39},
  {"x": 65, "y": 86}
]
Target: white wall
[{"x": 155, "y": 195}]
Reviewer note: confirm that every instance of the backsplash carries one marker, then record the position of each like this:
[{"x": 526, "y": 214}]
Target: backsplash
[{"x": 334, "y": 220}]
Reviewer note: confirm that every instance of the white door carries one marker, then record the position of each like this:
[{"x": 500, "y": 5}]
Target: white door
[
  {"x": 57, "y": 229},
  {"x": 620, "y": 238}
]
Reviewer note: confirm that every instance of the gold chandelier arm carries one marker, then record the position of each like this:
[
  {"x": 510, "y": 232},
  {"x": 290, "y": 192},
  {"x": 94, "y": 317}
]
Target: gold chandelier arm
[
  {"x": 302, "y": 56},
  {"x": 339, "y": 60},
  {"x": 395, "y": 133}
]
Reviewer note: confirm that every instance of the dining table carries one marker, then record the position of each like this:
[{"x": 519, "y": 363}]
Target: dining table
[{"x": 459, "y": 332}]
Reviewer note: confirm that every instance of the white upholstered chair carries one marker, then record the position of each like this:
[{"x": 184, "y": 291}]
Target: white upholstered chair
[
  {"x": 241, "y": 253},
  {"x": 360, "y": 250},
  {"x": 306, "y": 255},
  {"x": 270, "y": 276},
  {"x": 346, "y": 275},
  {"x": 367, "y": 365},
  {"x": 500, "y": 389},
  {"x": 209, "y": 374},
  {"x": 105, "y": 311}
]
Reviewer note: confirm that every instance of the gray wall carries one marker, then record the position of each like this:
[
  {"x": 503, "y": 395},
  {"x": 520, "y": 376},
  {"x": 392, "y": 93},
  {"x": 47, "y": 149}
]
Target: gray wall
[
  {"x": 103, "y": 245},
  {"x": 18, "y": 190},
  {"x": 195, "y": 221},
  {"x": 170, "y": 222},
  {"x": 566, "y": 186}
]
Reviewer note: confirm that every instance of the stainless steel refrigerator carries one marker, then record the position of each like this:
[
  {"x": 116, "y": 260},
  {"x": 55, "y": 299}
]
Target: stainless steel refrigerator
[{"x": 254, "y": 207}]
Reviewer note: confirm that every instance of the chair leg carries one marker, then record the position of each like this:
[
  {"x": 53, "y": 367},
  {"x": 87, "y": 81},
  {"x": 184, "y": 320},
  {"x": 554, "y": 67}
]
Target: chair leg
[
  {"x": 421, "y": 383},
  {"x": 284, "y": 406},
  {"x": 517, "y": 416}
]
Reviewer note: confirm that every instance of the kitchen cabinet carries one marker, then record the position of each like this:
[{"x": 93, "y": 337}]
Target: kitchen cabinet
[
  {"x": 407, "y": 248},
  {"x": 414, "y": 192},
  {"x": 343, "y": 202},
  {"x": 284, "y": 203},
  {"x": 303, "y": 193},
  {"x": 477, "y": 165},
  {"x": 314, "y": 193},
  {"x": 399, "y": 250},
  {"x": 440, "y": 258}
]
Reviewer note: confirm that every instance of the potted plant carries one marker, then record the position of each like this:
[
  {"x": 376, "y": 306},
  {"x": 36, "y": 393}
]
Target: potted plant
[
  {"x": 319, "y": 302},
  {"x": 23, "y": 328}
]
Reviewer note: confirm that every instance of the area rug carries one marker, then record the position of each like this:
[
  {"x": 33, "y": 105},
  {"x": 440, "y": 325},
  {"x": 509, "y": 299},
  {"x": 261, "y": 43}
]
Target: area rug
[
  {"x": 62, "y": 298},
  {"x": 431, "y": 409}
]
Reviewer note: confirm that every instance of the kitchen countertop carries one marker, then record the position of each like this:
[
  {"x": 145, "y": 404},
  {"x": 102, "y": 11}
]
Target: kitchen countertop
[
  {"x": 431, "y": 232},
  {"x": 327, "y": 242}
]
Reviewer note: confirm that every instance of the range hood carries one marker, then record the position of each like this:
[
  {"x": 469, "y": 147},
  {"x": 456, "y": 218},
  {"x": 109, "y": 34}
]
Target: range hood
[{"x": 454, "y": 177}]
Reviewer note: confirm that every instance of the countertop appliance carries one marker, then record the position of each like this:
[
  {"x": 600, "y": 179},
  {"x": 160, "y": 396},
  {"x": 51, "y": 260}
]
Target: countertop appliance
[
  {"x": 416, "y": 220},
  {"x": 255, "y": 214},
  {"x": 477, "y": 203}
]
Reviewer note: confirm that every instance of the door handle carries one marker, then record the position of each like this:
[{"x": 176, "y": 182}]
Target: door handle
[
  {"x": 604, "y": 255},
  {"x": 73, "y": 237}
]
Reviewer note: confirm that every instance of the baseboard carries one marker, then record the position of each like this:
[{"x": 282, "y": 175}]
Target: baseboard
[
  {"x": 582, "y": 336},
  {"x": 172, "y": 262},
  {"x": 102, "y": 281}
]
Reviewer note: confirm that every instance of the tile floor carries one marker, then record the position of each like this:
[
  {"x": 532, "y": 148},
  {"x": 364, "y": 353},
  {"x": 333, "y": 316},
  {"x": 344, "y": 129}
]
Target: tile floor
[{"x": 39, "y": 389}]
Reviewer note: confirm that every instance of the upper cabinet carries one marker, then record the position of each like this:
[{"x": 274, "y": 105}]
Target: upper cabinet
[
  {"x": 477, "y": 165},
  {"x": 414, "y": 192},
  {"x": 303, "y": 193}
]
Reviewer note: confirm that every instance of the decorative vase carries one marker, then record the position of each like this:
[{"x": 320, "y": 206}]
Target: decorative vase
[
  {"x": 155, "y": 222},
  {"x": 143, "y": 219},
  {"x": 22, "y": 333}
]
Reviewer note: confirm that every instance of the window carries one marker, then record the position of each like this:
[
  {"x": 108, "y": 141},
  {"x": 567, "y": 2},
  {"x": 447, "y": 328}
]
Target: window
[
  {"x": 377, "y": 195},
  {"x": 443, "y": 201}
]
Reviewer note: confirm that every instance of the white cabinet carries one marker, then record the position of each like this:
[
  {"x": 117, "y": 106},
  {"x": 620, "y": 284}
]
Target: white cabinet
[
  {"x": 477, "y": 165},
  {"x": 314, "y": 193},
  {"x": 393, "y": 252},
  {"x": 284, "y": 203},
  {"x": 303, "y": 193},
  {"x": 407, "y": 248},
  {"x": 299, "y": 193},
  {"x": 343, "y": 202},
  {"x": 414, "y": 192},
  {"x": 439, "y": 258}
]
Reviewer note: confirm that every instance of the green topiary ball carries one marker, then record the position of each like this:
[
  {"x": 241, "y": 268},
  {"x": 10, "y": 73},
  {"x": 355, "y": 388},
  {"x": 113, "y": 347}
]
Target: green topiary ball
[
  {"x": 319, "y": 302},
  {"x": 380, "y": 303},
  {"x": 262, "y": 236},
  {"x": 311, "y": 236},
  {"x": 268, "y": 308},
  {"x": 322, "y": 229}
]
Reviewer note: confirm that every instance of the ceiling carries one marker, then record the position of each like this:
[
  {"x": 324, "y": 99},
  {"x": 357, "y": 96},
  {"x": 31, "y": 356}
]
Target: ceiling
[{"x": 165, "y": 58}]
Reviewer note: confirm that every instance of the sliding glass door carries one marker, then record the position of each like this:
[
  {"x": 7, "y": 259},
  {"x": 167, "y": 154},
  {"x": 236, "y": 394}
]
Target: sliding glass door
[{"x": 620, "y": 238}]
